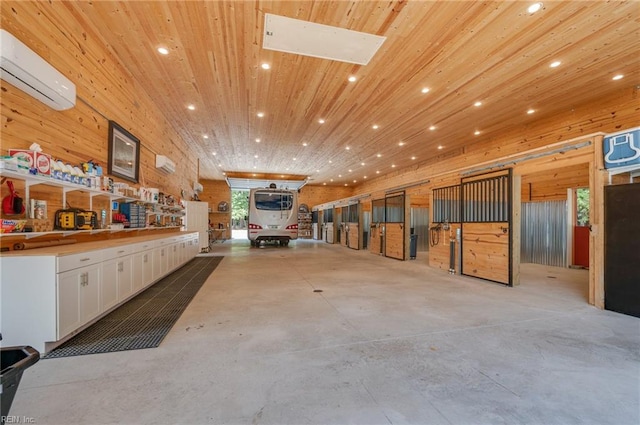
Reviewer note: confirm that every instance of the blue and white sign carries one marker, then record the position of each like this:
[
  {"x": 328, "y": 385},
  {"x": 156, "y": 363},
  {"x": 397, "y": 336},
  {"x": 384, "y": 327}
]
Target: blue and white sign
[{"x": 622, "y": 149}]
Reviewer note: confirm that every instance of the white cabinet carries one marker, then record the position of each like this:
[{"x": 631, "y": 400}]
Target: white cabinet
[
  {"x": 78, "y": 298},
  {"x": 65, "y": 293}
]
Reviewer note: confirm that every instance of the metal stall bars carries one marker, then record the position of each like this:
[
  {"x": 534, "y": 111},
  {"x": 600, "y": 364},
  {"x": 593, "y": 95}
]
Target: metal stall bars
[
  {"x": 377, "y": 226},
  {"x": 446, "y": 218},
  {"x": 485, "y": 226}
]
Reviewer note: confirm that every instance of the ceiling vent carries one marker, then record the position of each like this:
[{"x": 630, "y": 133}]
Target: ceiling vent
[
  {"x": 320, "y": 41},
  {"x": 165, "y": 164},
  {"x": 24, "y": 69}
]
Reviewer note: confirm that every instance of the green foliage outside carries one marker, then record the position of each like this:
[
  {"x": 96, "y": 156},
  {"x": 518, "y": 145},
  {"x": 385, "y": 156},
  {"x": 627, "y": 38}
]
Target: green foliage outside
[
  {"x": 239, "y": 204},
  {"x": 582, "y": 207}
]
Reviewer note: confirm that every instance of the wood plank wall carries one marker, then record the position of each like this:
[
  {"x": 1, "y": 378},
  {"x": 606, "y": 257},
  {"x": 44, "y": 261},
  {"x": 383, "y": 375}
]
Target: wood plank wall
[
  {"x": 375, "y": 243},
  {"x": 439, "y": 253},
  {"x": 607, "y": 115},
  {"x": 552, "y": 185},
  {"x": 105, "y": 91}
]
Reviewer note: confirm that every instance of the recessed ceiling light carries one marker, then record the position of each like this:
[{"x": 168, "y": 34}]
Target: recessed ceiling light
[
  {"x": 400, "y": 143},
  {"x": 324, "y": 184},
  {"x": 260, "y": 114},
  {"x": 257, "y": 140},
  {"x": 393, "y": 165},
  {"x": 377, "y": 171},
  {"x": 220, "y": 165},
  {"x": 282, "y": 175},
  {"x": 255, "y": 156},
  {"x": 477, "y": 132},
  {"x": 331, "y": 180},
  {"x": 214, "y": 154},
  {"x": 339, "y": 175},
  {"x": 375, "y": 126},
  {"x": 163, "y": 50},
  {"x": 440, "y": 147},
  {"x": 352, "y": 78},
  {"x": 350, "y": 171},
  {"x": 254, "y": 167},
  {"x": 286, "y": 169},
  {"x": 320, "y": 121},
  {"x": 265, "y": 66},
  {"x": 305, "y": 144},
  {"x": 355, "y": 181},
  {"x": 191, "y": 107},
  {"x": 224, "y": 174},
  {"x": 204, "y": 136},
  {"x": 348, "y": 148},
  {"x": 531, "y": 111},
  {"x": 478, "y": 103},
  {"x": 295, "y": 159},
  {"x": 330, "y": 162},
  {"x": 413, "y": 158},
  {"x": 365, "y": 177},
  {"x": 425, "y": 90},
  {"x": 554, "y": 64},
  {"x": 362, "y": 163},
  {"x": 618, "y": 77},
  {"x": 534, "y": 7},
  {"x": 317, "y": 171},
  {"x": 346, "y": 184},
  {"x": 379, "y": 155},
  {"x": 433, "y": 127}
]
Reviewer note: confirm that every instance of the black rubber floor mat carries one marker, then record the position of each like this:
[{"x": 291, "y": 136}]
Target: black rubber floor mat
[{"x": 146, "y": 319}]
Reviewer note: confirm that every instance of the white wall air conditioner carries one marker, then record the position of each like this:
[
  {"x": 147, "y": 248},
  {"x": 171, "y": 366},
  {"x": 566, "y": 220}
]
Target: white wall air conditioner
[
  {"x": 165, "y": 164},
  {"x": 24, "y": 69},
  {"x": 197, "y": 187}
]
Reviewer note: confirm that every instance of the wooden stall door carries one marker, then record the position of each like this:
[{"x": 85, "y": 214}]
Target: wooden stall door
[
  {"x": 354, "y": 235},
  {"x": 394, "y": 241},
  {"x": 375, "y": 240},
  {"x": 486, "y": 203},
  {"x": 485, "y": 251}
]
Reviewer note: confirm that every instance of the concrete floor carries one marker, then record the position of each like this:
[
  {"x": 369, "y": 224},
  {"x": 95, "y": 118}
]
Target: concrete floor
[{"x": 386, "y": 342}]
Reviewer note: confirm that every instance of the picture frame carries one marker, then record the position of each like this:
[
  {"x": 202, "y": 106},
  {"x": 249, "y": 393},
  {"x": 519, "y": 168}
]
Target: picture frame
[{"x": 124, "y": 153}]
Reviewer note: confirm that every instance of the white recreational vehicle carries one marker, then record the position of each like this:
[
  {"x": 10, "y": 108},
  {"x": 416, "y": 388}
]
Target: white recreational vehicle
[{"x": 273, "y": 215}]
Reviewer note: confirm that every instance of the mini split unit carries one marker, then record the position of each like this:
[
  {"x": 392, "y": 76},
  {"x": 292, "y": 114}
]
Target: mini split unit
[
  {"x": 24, "y": 69},
  {"x": 165, "y": 164}
]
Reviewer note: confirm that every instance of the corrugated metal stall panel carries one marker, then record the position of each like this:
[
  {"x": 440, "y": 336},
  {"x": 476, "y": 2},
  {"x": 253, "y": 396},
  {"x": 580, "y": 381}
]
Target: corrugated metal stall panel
[
  {"x": 420, "y": 226},
  {"x": 544, "y": 233}
]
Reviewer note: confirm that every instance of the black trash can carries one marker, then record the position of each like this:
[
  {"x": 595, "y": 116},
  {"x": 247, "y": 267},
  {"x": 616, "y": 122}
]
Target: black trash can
[
  {"x": 13, "y": 360},
  {"x": 413, "y": 246}
]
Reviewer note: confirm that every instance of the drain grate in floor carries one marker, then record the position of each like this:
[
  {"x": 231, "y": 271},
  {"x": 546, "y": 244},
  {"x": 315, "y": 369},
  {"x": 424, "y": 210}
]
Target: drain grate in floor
[{"x": 145, "y": 320}]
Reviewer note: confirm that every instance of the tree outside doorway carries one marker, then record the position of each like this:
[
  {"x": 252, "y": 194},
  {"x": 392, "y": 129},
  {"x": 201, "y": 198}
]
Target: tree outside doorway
[{"x": 239, "y": 212}]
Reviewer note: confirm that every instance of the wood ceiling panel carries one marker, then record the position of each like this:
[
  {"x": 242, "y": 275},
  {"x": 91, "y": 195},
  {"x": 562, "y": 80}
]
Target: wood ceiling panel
[{"x": 463, "y": 51}]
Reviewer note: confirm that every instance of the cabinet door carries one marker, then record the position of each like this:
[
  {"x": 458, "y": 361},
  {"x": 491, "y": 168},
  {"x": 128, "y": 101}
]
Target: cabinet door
[
  {"x": 90, "y": 294},
  {"x": 137, "y": 271},
  {"x": 147, "y": 269},
  {"x": 160, "y": 262},
  {"x": 68, "y": 317},
  {"x": 78, "y": 298},
  {"x": 109, "y": 288},
  {"x": 125, "y": 283}
]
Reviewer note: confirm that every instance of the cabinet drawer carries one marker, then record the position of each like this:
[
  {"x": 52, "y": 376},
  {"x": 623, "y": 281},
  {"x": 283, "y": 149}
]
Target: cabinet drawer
[
  {"x": 70, "y": 262},
  {"x": 115, "y": 252}
]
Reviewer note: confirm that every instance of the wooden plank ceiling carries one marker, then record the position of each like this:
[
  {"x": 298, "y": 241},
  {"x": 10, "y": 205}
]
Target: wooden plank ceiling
[{"x": 462, "y": 51}]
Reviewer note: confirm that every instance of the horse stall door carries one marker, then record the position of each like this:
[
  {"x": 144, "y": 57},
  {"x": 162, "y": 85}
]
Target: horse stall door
[
  {"x": 486, "y": 239},
  {"x": 376, "y": 240},
  {"x": 394, "y": 239},
  {"x": 622, "y": 248}
]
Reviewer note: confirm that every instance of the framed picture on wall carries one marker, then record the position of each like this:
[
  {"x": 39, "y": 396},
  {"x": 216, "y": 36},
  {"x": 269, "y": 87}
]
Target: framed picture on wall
[{"x": 124, "y": 153}]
